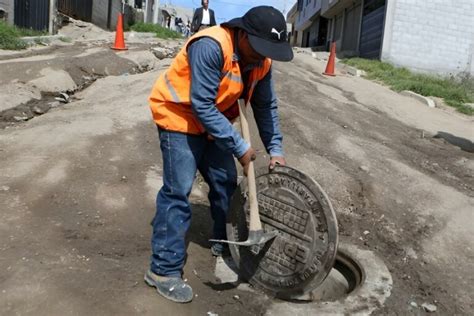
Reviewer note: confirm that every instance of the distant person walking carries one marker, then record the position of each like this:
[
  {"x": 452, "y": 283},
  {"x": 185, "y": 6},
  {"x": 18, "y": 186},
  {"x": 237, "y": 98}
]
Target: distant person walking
[
  {"x": 178, "y": 24},
  {"x": 203, "y": 17},
  {"x": 187, "y": 29}
]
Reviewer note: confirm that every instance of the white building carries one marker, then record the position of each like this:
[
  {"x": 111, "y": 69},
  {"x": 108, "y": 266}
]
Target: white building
[
  {"x": 424, "y": 35},
  {"x": 165, "y": 11},
  {"x": 172, "y": 12},
  {"x": 430, "y": 35}
]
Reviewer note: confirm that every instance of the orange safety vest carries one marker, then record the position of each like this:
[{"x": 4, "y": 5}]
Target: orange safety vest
[{"x": 170, "y": 99}]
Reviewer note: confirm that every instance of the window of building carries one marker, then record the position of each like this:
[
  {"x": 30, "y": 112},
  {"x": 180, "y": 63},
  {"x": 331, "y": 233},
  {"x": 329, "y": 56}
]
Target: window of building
[
  {"x": 300, "y": 5},
  {"x": 373, "y": 5}
]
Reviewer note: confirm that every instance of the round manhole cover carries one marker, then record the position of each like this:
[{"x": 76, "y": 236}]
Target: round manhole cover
[{"x": 303, "y": 253}]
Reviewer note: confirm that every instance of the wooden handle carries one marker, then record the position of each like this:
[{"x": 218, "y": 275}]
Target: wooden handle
[{"x": 255, "y": 223}]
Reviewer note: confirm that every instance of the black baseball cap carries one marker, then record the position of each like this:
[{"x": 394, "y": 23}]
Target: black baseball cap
[{"x": 266, "y": 29}]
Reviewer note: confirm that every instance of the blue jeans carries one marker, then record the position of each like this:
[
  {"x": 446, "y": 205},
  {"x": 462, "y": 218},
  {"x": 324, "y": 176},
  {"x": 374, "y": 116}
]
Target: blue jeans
[{"x": 183, "y": 155}]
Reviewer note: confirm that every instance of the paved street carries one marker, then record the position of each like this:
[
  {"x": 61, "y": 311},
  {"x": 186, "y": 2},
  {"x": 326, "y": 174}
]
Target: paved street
[{"x": 78, "y": 186}]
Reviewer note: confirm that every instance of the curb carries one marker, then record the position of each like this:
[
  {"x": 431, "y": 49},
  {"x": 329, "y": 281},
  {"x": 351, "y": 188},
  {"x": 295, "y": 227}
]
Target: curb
[
  {"x": 353, "y": 71},
  {"x": 429, "y": 102},
  {"x": 33, "y": 40}
]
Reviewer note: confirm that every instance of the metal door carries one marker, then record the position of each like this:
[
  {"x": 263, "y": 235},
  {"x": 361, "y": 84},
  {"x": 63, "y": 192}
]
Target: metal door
[
  {"x": 372, "y": 29},
  {"x": 32, "y": 14},
  {"x": 78, "y": 9},
  {"x": 351, "y": 23}
]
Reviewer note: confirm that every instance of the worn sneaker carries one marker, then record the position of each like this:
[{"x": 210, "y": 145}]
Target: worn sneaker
[
  {"x": 219, "y": 249},
  {"x": 172, "y": 288}
]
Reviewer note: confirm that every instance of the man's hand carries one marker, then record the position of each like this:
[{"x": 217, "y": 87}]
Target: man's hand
[
  {"x": 250, "y": 155},
  {"x": 276, "y": 161}
]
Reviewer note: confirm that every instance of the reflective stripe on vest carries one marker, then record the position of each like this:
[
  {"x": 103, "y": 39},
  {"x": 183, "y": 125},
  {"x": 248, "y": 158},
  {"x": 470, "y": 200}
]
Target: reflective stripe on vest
[
  {"x": 172, "y": 90},
  {"x": 233, "y": 77},
  {"x": 170, "y": 99}
]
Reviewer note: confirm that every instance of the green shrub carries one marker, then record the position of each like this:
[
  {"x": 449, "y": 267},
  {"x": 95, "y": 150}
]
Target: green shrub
[
  {"x": 160, "y": 31},
  {"x": 454, "y": 92},
  {"x": 10, "y": 36}
]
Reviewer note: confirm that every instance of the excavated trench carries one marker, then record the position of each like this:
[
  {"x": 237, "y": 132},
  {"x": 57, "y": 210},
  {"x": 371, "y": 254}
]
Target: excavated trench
[
  {"x": 81, "y": 71},
  {"x": 49, "y": 100}
]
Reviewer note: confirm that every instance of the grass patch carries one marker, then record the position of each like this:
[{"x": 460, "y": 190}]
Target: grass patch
[
  {"x": 10, "y": 36},
  {"x": 160, "y": 31},
  {"x": 454, "y": 92},
  {"x": 30, "y": 32}
]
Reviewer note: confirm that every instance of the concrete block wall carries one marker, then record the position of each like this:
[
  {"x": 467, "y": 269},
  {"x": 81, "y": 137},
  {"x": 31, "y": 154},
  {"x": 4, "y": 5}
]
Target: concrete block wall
[
  {"x": 100, "y": 9},
  {"x": 434, "y": 36},
  {"x": 299, "y": 38},
  {"x": 8, "y": 7},
  {"x": 116, "y": 9},
  {"x": 99, "y": 13}
]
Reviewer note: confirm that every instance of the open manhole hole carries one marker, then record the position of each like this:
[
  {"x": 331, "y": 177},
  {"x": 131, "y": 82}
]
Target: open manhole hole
[
  {"x": 344, "y": 278},
  {"x": 359, "y": 283}
]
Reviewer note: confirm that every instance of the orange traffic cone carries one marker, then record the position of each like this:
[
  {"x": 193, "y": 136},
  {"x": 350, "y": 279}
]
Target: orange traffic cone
[
  {"x": 119, "y": 41},
  {"x": 331, "y": 62}
]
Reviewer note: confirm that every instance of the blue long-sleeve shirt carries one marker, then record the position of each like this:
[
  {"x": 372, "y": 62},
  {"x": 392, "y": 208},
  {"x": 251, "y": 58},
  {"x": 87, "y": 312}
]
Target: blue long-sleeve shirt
[{"x": 206, "y": 61}]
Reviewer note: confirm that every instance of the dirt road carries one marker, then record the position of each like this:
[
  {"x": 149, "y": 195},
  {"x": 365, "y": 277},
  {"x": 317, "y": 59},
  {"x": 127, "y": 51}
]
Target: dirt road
[{"x": 77, "y": 190}]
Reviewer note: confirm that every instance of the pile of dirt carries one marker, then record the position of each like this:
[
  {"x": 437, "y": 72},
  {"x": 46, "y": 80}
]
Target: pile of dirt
[{"x": 84, "y": 31}]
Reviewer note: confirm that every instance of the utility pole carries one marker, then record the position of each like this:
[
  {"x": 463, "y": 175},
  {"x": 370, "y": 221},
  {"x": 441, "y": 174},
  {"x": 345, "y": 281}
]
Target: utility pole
[
  {"x": 146, "y": 14},
  {"x": 155, "y": 11},
  {"x": 51, "y": 16}
]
